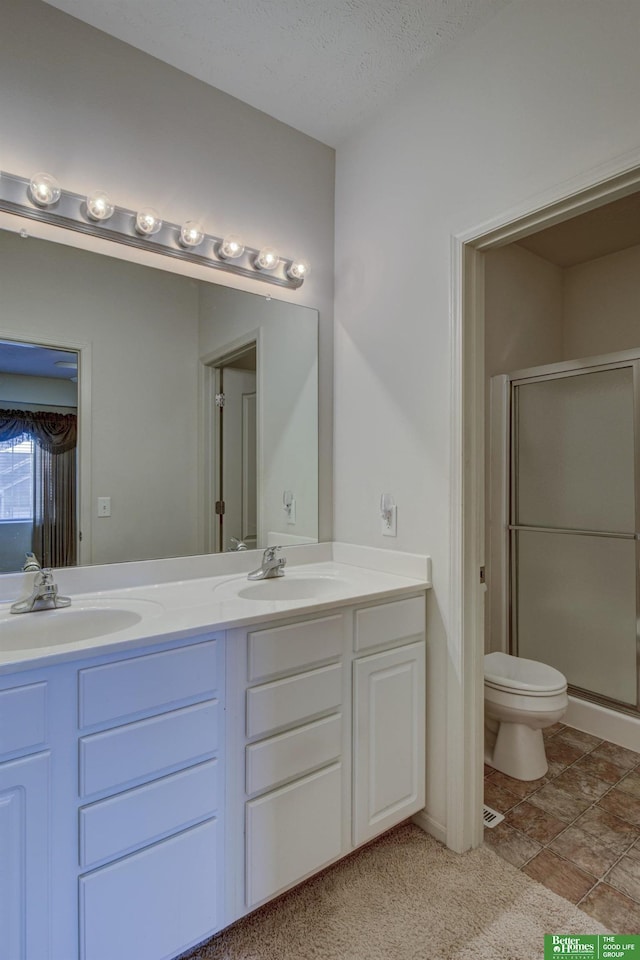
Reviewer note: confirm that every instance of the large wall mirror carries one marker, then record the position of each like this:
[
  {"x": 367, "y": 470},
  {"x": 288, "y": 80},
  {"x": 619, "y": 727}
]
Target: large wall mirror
[{"x": 145, "y": 414}]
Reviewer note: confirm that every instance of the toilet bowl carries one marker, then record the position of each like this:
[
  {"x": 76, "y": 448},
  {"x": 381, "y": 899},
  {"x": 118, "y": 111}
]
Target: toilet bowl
[{"x": 521, "y": 698}]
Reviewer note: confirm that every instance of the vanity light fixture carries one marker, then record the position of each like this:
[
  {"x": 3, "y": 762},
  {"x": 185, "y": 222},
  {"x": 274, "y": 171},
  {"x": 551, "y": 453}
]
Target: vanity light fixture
[
  {"x": 267, "y": 259},
  {"x": 41, "y": 198},
  {"x": 148, "y": 222},
  {"x": 230, "y": 248},
  {"x": 298, "y": 269},
  {"x": 191, "y": 234},
  {"x": 99, "y": 206},
  {"x": 44, "y": 189}
]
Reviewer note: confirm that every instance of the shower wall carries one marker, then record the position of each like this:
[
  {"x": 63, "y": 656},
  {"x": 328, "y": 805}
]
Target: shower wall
[{"x": 538, "y": 313}]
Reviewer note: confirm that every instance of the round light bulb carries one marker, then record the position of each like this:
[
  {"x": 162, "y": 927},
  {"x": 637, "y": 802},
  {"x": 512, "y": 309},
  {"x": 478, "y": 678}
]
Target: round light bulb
[
  {"x": 191, "y": 234},
  {"x": 44, "y": 189},
  {"x": 231, "y": 247},
  {"x": 99, "y": 206},
  {"x": 298, "y": 269},
  {"x": 267, "y": 259},
  {"x": 148, "y": 222}
]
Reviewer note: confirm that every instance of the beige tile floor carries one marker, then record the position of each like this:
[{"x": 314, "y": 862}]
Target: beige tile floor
[{"x": 577, "y": 829}]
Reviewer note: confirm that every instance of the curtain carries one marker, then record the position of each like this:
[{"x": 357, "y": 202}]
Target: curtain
[{"x": 54, "y": 509}]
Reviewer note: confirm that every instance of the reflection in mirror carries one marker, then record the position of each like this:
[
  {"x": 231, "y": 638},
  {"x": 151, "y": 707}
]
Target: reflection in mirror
[
  {"x": 38, "y": 442},
  {"x": 153, "y": 350}
]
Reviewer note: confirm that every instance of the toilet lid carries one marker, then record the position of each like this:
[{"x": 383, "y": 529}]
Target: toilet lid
[{"x": 503, "y": 671}]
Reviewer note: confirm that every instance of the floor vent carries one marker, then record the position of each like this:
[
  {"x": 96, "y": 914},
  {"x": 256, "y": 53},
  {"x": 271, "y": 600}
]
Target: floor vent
[{"x": 491, "y": 817}]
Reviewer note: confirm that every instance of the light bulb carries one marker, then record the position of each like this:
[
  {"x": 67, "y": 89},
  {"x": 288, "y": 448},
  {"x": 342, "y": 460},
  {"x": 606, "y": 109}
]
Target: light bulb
[
  {"x": 44, "y": 189},
  {"x": 191, "y": 234},
  {"x": 267, "y": 259},
  {"x": 148, "y": 222},
  {"x": 231, "y": 247},
  {"x": 99, "y": 206},
  {"x": 298, "y": 269}
]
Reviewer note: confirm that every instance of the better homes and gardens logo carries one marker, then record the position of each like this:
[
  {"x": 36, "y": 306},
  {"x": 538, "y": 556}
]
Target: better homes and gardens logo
[{"x": 592, "y": 947}]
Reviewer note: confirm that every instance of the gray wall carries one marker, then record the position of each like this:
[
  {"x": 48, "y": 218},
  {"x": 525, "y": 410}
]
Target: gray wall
[{"x": 97, "y": 113}]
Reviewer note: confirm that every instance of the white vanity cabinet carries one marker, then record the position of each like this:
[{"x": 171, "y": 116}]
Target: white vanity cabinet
[
  {"x": 333, "y": 710},
  {"x": 388, "y": 715},
  {"x": 150, "y": 797},
  {"x": 24, "y": 821},
  {"x": 294, "y": 770},
  {"x": 151, "y": 736}
]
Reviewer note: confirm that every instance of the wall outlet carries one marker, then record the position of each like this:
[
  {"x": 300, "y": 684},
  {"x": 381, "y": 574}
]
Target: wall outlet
[
  {"x": 104, "y": 506},
  {"x": 389, "y": 522}
]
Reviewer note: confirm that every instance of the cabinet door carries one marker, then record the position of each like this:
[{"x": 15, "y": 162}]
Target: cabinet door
[
  {"x": 389, "y": 739},
  {"x": 24, "y": 859},
  {"x": 292, "y": 832},
  {"x": 154, "y": 904}
]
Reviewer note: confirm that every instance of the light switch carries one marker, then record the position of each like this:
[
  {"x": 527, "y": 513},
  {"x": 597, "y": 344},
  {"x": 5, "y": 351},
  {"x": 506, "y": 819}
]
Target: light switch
[{"x": 104, "y": 506}]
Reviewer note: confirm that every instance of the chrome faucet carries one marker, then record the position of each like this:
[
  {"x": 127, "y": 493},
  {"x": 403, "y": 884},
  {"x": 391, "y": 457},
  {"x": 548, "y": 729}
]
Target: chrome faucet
[
  {"x": 236, "y": 545},
  {"x": 273, "y": 565},
  {"x": 31, "y": 563},
  {"x": 44, "y": 594}
]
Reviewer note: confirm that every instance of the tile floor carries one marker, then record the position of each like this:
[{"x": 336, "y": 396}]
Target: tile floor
[{"x": 577, "y": 829}]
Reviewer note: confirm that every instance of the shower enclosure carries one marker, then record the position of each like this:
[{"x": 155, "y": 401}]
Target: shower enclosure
[{"x": 569, "y": 529}]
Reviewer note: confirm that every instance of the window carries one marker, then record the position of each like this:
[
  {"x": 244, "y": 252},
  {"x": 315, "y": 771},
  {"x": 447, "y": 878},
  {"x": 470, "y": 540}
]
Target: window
[{"x": 16, "y": 479}]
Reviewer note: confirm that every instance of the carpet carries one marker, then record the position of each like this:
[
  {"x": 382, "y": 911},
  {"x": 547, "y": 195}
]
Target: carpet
[{"x": 405, "y": 897}]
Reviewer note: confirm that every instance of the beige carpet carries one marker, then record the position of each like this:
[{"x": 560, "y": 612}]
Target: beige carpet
[{"x": 405, "y": 897}]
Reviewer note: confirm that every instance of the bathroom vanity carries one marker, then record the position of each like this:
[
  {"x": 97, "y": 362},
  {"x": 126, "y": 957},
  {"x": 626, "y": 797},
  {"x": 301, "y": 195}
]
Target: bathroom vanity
[{"x": 162, "y": 780}]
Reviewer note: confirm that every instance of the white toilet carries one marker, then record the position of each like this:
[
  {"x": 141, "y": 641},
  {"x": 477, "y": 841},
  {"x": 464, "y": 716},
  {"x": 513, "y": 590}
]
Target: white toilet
[{"x": 521, "y": 698}]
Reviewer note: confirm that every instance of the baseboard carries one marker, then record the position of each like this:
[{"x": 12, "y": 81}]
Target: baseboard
[
  {"x": 431, "y": 826},
  {"x": 600, "y": 721}
]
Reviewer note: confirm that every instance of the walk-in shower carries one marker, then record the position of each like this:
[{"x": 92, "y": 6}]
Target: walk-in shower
[{"x": 565, "y": 546}]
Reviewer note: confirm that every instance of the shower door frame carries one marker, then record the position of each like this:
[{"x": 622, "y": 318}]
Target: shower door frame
[{"x": 508, "y": 495}]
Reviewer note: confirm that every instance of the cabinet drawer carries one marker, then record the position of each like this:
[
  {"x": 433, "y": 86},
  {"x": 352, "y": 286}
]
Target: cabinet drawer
[
  {"x": 113, "y": 827},
  {"x": 151, "y": 682},
  {"x": 388, "y": 623},
  {"x": 154, "y": 903},
  {"x": 293, "y": 753},
  {"x": 23, "y": 718},
  {"x": 294, "y": 647},
  {"x": 294, "y": 699},
  {"x": 147, "y": 748},
  {"x": 292, "y": 832}
]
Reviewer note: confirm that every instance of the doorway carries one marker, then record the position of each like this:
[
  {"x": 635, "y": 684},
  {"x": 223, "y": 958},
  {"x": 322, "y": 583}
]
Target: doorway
[
  {"x": 235, "y": 451},
  {"x": 39, "y": 408},
  {"x": 465, "y": 680}
]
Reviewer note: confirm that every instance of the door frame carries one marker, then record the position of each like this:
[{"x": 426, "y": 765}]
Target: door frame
[
  {"x": 465, "y": 672},
  {"x": 208, "y": 430}
]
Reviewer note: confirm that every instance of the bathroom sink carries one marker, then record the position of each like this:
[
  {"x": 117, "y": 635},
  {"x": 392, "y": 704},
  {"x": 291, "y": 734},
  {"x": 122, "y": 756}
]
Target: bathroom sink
[
  {"x": 289, "y": 587},
  {"x": 80, "y": 621}
]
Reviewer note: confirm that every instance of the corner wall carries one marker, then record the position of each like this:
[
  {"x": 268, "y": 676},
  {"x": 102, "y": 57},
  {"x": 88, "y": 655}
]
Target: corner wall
[
  {"x": 543, "y": 93},
  {"x": 98, "y": 113}
]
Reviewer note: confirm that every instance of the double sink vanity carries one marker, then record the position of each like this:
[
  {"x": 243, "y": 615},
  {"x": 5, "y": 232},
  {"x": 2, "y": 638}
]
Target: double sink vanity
[{"x": 183, "y": 744}]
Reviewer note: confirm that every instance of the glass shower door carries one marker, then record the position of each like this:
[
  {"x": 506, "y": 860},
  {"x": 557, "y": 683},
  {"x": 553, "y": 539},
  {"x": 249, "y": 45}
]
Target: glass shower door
[{"x": 573, "y": 527}]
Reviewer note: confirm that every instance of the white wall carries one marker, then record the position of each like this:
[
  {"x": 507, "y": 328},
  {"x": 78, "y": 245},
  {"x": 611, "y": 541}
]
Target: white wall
[
  {"x": 142, "y": 327},
  {"x": 288, "y": 398},
  {"x": 602, "y": 305},
  {"x": 40, "y": 391},
  {"x": 544, "y": 92},
  {"x": 95, "y": 112}
]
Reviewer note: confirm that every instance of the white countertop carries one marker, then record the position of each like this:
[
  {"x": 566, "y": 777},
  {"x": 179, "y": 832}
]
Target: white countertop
[{"x": 204, "y": 605}]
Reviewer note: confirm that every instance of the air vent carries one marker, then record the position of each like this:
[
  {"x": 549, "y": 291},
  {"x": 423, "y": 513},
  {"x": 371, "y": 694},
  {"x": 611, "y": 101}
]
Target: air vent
[{"x": 491, "y": 817}]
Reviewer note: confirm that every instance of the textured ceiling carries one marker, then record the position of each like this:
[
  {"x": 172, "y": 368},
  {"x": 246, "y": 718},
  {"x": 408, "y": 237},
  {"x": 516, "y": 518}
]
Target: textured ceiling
[{"x": 321, "y": 66}]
